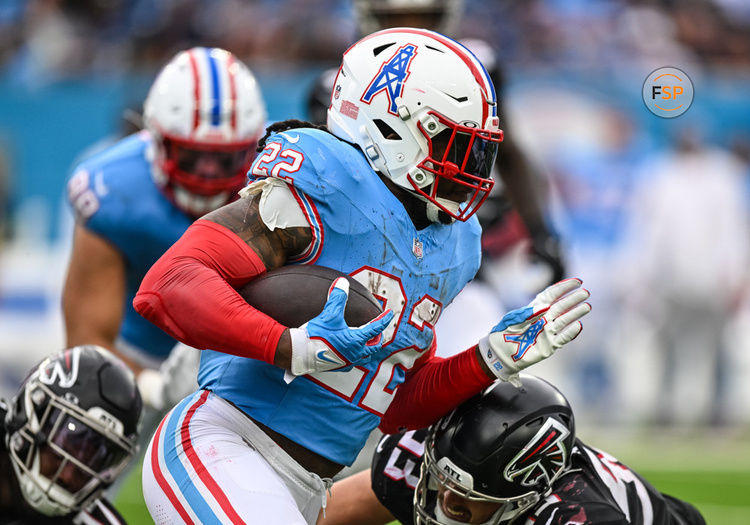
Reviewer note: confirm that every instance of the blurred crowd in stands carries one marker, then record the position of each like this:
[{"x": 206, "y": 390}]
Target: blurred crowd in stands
[{"x": 42, "y": 40}]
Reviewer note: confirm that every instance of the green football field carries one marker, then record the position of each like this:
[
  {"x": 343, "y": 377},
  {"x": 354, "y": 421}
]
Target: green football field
[{"x": 712, "y": 471}]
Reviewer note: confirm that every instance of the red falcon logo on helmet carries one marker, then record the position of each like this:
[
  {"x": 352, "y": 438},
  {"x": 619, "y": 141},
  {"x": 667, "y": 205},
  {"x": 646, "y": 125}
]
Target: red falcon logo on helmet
[{"x": 542, "y": 458}]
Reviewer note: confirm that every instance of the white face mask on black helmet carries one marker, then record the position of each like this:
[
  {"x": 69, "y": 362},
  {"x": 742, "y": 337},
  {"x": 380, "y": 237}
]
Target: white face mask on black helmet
[
  {"x": 72, "y": 428},
  {"x": 422, "y": 108},
  {"x": 505, "y": 447}
]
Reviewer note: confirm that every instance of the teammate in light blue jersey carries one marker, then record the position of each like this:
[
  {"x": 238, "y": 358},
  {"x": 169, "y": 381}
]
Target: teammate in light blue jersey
[
  {"x": 203, "y": 117},
  {"x": 387, "y": 194}
]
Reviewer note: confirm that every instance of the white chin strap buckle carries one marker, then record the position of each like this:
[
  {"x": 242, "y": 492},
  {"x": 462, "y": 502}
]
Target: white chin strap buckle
[{"x": 433, "y": 210}]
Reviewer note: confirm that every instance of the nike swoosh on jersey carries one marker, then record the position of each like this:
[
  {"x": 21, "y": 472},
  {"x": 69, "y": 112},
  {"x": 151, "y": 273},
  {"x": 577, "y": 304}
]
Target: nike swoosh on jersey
[
  {"x": 99, "y": 186},
  {"x": 293, "y": 139}
]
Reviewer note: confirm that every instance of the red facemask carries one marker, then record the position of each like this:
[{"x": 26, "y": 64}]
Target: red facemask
[
  {"x": 463, "y": 155},
  {"x": 205, "y": 170}
]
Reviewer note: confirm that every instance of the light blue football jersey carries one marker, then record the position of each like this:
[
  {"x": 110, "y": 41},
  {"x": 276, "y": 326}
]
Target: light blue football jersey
[
  {"x": 114, "y": 196},
  {"x": 359, "y": 227}
]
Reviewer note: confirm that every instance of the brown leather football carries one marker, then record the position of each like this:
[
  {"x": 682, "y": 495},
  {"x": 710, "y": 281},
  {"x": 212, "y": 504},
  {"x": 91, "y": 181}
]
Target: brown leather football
[{"x": 295, "y": 294}]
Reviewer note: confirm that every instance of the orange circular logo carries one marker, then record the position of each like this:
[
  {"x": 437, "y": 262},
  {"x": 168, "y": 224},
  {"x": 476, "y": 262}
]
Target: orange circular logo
[{"x": 668, "y": 92}]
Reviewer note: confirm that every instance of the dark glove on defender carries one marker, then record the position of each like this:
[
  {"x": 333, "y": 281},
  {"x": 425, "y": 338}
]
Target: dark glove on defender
[{"x": 545, "y": 249}]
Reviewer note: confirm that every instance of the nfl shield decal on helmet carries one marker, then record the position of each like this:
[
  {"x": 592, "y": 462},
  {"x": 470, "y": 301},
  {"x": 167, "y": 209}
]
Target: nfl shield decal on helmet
[{"x": 542, "y": 458}]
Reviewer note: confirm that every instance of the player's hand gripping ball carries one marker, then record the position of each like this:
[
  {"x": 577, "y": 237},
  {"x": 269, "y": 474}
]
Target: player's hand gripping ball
[{"x": 335, "y": 321}]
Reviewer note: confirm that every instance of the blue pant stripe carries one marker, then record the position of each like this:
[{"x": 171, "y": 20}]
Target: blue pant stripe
[{"x": 185, "y": 485}]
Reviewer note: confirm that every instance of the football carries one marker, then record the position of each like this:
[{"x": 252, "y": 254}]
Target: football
[{"x": 293, "y": 295}]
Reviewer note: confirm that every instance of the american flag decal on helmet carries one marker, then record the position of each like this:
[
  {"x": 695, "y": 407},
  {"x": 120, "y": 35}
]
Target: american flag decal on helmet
[{"x": 542, "y": 458}]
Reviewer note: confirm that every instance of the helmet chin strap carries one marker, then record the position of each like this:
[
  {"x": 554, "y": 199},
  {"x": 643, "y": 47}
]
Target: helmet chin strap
[{"x": 435, "y": 214}]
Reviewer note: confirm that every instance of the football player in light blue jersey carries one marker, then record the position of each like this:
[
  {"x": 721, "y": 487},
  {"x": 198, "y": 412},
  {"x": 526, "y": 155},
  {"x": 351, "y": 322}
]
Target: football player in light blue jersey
[
  {"x": 203, "y": 116},
  {"x": 387, "y": 194}
]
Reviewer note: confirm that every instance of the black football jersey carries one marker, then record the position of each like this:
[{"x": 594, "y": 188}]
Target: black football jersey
[
  {"x": 395, "y": 472},
  {"x": 15, "y": 511},
  {"x": 597, "y": 489}
]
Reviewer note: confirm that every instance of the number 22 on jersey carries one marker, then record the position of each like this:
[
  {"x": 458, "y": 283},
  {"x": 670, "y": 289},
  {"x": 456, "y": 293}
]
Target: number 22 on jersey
[{"x": 379, "y": 390}]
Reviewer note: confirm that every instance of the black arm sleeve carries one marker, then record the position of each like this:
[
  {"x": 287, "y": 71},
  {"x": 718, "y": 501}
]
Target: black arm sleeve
[{"x": 395, "y": 471}]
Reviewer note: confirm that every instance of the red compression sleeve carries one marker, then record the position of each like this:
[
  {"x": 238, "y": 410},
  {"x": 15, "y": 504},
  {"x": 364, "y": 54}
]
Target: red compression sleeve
[
  {"x": 190, "y": 294},
  {"x": 433, "y": 390}
]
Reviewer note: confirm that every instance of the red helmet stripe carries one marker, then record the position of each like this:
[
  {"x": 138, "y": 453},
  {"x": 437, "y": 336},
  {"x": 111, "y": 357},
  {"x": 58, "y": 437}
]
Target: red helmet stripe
[
  {"x": 453, "y": 46},
  {"x": 232, "y": 70},
  {"x": 196, "y": 90}
]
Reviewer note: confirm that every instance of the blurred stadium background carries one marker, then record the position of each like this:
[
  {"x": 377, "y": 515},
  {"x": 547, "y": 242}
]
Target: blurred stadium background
[{"x": 653, "y": 213}]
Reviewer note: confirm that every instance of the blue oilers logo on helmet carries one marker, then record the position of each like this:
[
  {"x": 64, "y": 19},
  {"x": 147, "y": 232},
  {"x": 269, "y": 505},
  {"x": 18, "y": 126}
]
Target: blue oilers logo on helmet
[
  {"x": 391, "y": 77},
  {"x": 542, "y": 458}
]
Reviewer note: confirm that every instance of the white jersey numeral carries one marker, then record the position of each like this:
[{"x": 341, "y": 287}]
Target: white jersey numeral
[
  {"x": 270, "y": 153},
  {"x": 389, "y": 291},
  {"x": 408, "y": 473},
  {"x": 619, "y": 479},
  {"x": 381, "y": 388},
  {"x": 84, "y": 200}
]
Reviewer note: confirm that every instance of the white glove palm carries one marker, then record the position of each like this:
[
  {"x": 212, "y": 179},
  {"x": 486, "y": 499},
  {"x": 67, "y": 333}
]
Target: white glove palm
[
  {"x": 530, "y": 334},
  {"x": 175, "y": 379}
]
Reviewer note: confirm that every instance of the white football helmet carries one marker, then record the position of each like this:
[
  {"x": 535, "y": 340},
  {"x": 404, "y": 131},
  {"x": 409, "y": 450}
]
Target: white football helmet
[
  {"x": 422, "y": 108},
  {"x": 206, "y": 114},
  {"x": 437, "y": 15}
]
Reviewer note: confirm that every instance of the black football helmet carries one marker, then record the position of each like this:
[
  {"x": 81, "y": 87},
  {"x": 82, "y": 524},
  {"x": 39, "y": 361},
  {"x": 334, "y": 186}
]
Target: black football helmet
[
  {"x": 442, "y": 16},
  {"x": 72, "y": 428},
  {"x": 507, "y": 445},
  {"x": 319, "y": 97}
]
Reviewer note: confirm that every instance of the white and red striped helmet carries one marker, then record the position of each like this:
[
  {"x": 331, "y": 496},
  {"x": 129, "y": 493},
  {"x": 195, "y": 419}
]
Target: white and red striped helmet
[
  {"x": 423, "y": 110},
  {"x": 206, "y": 114}
]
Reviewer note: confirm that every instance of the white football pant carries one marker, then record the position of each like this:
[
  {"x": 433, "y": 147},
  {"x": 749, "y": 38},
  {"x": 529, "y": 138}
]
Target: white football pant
[{"x": 209, "y": 463}]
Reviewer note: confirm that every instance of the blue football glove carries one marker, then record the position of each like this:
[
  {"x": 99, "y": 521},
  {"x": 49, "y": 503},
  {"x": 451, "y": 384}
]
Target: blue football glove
[
  {"x": 327, "y": 343},
  {"x": 530, "y": 334}
]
